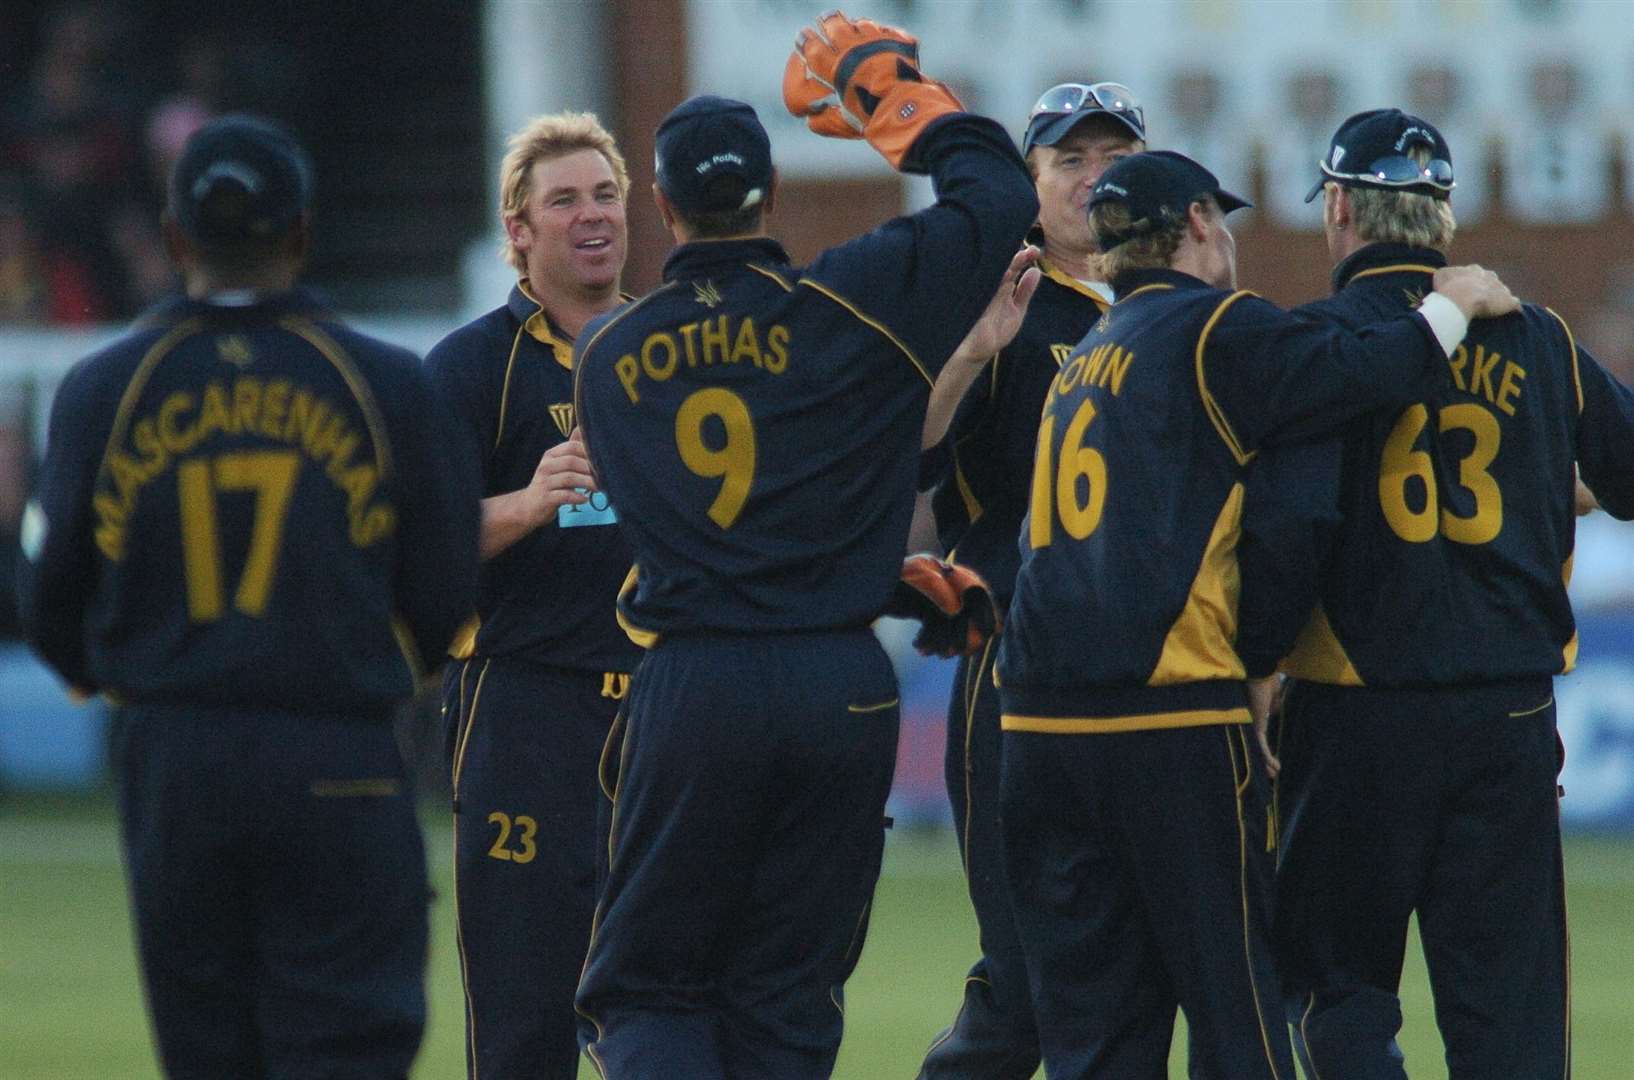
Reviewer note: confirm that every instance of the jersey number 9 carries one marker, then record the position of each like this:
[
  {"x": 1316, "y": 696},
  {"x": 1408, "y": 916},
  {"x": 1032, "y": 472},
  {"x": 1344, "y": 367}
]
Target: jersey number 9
[{"x": 734, "y": 462}]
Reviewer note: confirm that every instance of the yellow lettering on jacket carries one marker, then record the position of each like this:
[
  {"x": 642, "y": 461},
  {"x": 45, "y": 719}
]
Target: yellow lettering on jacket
[
  {"x": 722, "y": 339},
  {"x": 246, "y": 406},
  {"x": 1473, "y": 373}
]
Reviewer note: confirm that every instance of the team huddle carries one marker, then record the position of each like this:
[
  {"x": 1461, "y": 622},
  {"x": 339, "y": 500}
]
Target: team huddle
[{"x": 1256, "y": 611}]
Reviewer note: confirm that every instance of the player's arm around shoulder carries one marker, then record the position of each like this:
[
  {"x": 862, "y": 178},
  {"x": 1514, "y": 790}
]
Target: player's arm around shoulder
[{"x": 1270, "y": 375}]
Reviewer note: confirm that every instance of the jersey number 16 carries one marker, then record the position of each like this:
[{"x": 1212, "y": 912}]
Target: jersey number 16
[{"x": 1056, "y": 484}]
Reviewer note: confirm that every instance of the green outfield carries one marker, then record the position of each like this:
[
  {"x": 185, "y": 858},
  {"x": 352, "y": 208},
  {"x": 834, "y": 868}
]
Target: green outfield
[{"x": 72, "y": 1010}]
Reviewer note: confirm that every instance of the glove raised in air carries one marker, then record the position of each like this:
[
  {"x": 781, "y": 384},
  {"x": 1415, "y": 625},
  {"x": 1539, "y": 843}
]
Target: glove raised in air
[
  {"x": 853, "y": 78},
  {"x": 953, "y": 604}
]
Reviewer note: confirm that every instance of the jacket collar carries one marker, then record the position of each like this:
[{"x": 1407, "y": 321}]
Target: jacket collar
[
  {"x": 530, "y": 312},
  {"x": 237, "y": 305},
  {"x": 1377, "y": 259},
  {"x": 1067, "y": 281},
  {"x": 703, "y": 257},
  {"x": 1131, "y": 280}
]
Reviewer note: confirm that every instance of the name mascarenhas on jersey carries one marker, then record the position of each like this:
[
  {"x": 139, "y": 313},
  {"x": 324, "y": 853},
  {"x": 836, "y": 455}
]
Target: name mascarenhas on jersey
[
  {"x": 717, "y": 340},
  {"x": 277, "y": 409}
]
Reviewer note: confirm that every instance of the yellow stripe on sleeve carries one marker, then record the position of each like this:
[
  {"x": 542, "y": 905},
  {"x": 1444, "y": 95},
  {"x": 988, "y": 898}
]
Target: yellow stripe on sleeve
[{"x": 1215, "y": 414}]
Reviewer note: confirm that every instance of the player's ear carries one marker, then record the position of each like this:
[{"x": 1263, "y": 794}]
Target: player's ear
[
  {"x": 665, "y": 209},
  {"x": 1198, "y": 222},
  {"x": 516, "y": 228},
  {"x": 1336, "y": 200},
  {"x": 770, "y": 202},
  {"x": 177, "y": 248}
]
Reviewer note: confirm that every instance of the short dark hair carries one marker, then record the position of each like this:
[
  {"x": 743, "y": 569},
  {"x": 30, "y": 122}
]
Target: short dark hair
[{"x": 729, "y": 190}]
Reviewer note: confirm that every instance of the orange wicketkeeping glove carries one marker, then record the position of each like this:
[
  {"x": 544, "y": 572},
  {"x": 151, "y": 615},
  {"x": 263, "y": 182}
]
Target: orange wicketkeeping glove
[
  {"x": 953, "y": 604},
  {"x": 853, "y": 78}
]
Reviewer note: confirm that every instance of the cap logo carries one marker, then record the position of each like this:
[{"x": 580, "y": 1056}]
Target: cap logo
[
  {"x": 1413, "y": 135},
  {"x": 1114, "y": 189},
  {"x": 720, "y": 159},
  {"x": 1338, "y": 156},
  {"x": 231, "y": 169}
]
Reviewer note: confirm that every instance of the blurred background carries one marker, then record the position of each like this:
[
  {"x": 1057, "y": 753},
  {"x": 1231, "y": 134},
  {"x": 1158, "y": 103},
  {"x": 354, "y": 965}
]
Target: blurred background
[{"x": 406, "y": 105}]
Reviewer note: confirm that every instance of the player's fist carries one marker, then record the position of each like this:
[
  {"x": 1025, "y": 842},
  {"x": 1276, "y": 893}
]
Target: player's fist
[
  {"x": 563, "y": 477},
  {"x": 954, "y": 606},
  {"x": 1478, "y": 292},
  {"x": 852, "y": 78}
]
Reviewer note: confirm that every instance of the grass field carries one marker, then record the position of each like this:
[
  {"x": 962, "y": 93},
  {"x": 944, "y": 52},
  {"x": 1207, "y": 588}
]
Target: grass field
[{"x": 71, "y": 1009}]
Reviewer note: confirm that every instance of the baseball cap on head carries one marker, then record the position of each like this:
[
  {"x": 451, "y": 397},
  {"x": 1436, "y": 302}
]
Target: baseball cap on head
[
  {"x": 1157, "y": 186},
  {"x": 240, "y": 179},
  {"x": 1371, "y": 150},
  {"x": 713, "y": 156},
  {"x": 1062, "y": 108}
]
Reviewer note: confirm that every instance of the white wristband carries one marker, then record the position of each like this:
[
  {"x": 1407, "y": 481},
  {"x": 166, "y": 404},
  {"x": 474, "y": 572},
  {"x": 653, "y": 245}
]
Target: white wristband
[{"x": 1446, "y": 319}]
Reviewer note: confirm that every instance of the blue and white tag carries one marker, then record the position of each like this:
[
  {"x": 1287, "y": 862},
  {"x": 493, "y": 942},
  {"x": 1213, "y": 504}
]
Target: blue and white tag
[{"x": 598, "y": 511}]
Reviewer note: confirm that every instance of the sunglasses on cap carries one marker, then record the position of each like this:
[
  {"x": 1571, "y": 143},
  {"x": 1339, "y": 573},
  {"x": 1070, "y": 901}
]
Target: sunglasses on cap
[
  {"x": 1396, "y": 171},
  {"x": 1070, "y": 99}
]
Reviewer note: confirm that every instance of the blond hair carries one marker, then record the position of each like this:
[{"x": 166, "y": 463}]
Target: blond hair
[
  {"x": 1403, "y": 217},
  {"x": 1148, "y": 251},
  {"x": 544, "y": 138}
]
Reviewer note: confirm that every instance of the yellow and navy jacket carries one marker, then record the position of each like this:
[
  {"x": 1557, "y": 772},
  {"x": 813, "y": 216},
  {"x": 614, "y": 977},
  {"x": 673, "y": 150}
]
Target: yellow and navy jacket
[
  {"x": 982, "y": 495},
  {"x": 1451, "y": 564},
  {"x": 757, "y": 425},
  {"x": 1125, "y": 615},
  {"x": 507, "y": 377},
  {"x": 250, "y": 506}
]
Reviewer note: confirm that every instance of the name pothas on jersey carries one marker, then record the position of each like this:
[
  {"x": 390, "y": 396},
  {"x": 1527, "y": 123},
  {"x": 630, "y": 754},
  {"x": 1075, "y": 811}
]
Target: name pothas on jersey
[
  {"x": 723, "y": 340},
  {"x": 274, "y": 409}
]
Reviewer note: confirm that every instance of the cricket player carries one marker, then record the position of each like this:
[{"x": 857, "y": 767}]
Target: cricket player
[
  {"x": 252, "y": 535},
  {"x": 757, "y": 424},
  {"x": 532, "y": 692},
  {"x": 1419, "y": 752},
  {"x": 1075, "y": 131}
]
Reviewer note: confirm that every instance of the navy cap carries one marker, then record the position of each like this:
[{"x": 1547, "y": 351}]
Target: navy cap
[
  {"x": 1370, "y": 150},
  {"x": 240, "y": 179},
  {"x": 1158, "y": 187},
  {"x": 1062, "y": 108},
  {"x": 713, "y": 156}
]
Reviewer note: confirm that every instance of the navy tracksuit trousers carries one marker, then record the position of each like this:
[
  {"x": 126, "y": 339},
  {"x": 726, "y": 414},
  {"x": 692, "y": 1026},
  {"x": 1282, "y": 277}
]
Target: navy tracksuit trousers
[
  {"x": 1140, "y": 871},
  {"x": 1441, "y": 803},
  {"x": 278, "y": 884},
  {"x": 747, "y": 833},
  {"x": 525, "y": 742}
]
